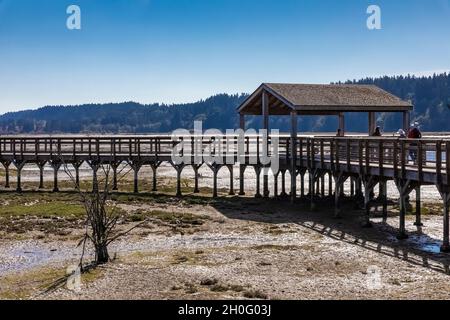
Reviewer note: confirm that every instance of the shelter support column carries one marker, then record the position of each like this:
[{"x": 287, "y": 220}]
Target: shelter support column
[
  {"x": 293, "y": 155},
  {"x": 342, "y": 124},
  {"x": 242, "y": 166},
  {"x": 265, "y": 113},
  {"x": 406, "y": 120},
  {"x": 371, "y": 123}
]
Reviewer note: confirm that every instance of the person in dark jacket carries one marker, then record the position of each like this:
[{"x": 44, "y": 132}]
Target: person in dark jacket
[
  {"x": 414, "y": 133},
  {"x": 377, "y": 132}
]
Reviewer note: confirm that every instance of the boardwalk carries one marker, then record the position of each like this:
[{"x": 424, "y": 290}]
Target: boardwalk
[{"x": 364, "y": 162}]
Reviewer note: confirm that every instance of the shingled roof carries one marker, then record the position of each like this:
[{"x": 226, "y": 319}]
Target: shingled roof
[{"x": 323, "y": 99}]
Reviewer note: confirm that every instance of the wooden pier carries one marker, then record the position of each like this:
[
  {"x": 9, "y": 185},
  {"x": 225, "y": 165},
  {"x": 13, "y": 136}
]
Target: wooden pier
[{"x": 364, "y": 162}]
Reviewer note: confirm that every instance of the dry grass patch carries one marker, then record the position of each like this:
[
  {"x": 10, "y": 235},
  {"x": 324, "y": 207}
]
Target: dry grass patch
[{"x": 25, "y": 285}]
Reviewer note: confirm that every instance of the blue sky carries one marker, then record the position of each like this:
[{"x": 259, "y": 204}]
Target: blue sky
[{"x": 184, "y": 50}]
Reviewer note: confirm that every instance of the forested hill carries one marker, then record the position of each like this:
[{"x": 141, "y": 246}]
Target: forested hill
[{"x": 430, "y": 95}]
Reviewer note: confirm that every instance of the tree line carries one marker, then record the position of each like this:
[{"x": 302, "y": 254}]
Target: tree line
[{"x": 430, "y": 96}]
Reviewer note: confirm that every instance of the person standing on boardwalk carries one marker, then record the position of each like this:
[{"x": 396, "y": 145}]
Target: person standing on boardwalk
[
  {"x": 414, "y": 133},
  {"x": 377, "y": 132},
  {"x": 401, "y": 134}
]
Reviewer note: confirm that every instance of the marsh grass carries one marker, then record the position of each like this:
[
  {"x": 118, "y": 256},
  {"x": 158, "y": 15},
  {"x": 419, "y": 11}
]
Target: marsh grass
[{"x": 27, "y": 284}]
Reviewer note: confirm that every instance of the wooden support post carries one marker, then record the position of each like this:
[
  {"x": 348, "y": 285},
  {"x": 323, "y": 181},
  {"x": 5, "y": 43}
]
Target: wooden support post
[
  {"x": 367, "y": 223},
  {"x": 352, "y": 187},
  {"x": 178, "y": 193},
  {"x": 330, "y": 184},
  {"x": 446, "y": 202},
  {"x": 322, "y": 185},
  {"x": 275, "y": 184},
  {"x": 179, "y": 168},
  {"x": 418, "y": 222},
  {"x": 358, "y": 188},
  {"x": 293, "y": 155},
  {"x": 136, "y": 167},
  {"x": 318, "y": 186},
  {"x": 230, "y": 169},
  {"x": 242, "y": 168},
  {"x": 114, "y": 166},
  {"x": 312, "y": 181},
  {"x": 302, "y": 182},
  {"x": 215, "y": 168},
  {"x": 283, "y": 183},
  {"x": 6, "y": 164},
  {"x": 155, "y": 166},
  {"x": 258, "y": 176},
  {"x": 41, "y": 165},
  {"x": 196, "y": 167},
  {"x": 55, "y": 165},
  {"x": 369, "y": 183},
  {"x": 312, "y": 190},
  {"x": 402, "y": 229},
  {"x": 95, "y": 166},
  {"x": 77, "y": 165},
  {"x": 339, "y": 180},
  {"x": 266, "y": 191},
  {"x": 444, "y": 191},
  {"x": 404, "y": 187},
  {"x": 215, "y": 194},
  {"x": 383, "y": 195},
  {"x": 136, "y": 178},
  {"x": 77, "y": 175},
  {"x": 19, "y": 166}
]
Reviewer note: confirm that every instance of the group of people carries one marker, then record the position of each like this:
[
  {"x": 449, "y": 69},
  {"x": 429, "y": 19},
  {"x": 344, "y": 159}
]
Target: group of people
[{"x": 413, "y": 133}]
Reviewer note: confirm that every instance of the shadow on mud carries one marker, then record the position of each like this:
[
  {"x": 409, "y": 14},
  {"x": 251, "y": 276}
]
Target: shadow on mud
[{"x": 419, "y": 249}]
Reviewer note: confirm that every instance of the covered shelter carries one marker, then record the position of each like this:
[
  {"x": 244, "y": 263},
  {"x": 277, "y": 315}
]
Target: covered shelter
[
  {"x": 318, "y": 99},
  {"x": 282, "y": 99}
]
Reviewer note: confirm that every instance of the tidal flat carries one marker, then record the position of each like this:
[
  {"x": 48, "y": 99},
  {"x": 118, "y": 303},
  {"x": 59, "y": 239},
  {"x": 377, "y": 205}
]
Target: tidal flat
[{"x": 197, "y": 247}]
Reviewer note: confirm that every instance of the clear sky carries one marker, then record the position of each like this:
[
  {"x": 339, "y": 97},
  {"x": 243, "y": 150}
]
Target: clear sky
[{"x": 184, "y": 50}]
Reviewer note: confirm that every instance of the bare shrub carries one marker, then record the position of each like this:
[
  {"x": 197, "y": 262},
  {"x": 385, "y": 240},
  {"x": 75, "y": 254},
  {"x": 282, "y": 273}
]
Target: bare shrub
[{"x": 101, "y": 219}]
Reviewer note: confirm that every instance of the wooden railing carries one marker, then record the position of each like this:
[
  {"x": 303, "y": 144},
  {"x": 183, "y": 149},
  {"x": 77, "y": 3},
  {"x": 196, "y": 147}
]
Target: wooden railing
[
  {"x": 340, "y": 154},
  {"x": 402, "y": 155}
]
